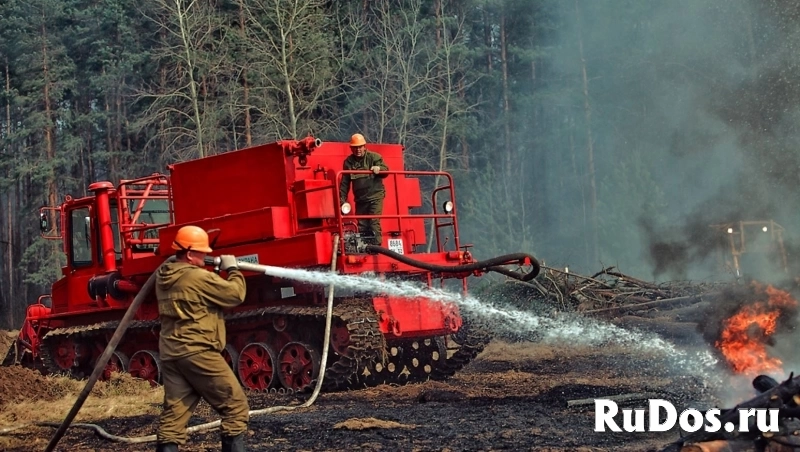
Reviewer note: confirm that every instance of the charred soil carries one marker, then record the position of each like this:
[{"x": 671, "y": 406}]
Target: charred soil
[{"x": 514, "y": 397}]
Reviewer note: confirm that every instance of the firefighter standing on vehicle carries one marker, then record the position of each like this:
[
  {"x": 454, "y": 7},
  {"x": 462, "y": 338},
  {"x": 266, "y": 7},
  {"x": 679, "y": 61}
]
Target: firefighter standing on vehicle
[
  {"x": 190, "y": 304},
  {"x": 368, "y": 189}
]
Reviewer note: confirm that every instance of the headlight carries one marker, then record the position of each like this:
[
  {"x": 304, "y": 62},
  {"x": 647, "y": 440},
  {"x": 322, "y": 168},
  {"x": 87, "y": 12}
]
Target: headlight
[
  {"x": 346, "y": 208},
  {"x": 448, "y": 206}
]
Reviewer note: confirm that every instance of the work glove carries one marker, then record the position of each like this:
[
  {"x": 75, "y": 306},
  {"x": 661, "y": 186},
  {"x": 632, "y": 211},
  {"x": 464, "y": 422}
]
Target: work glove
[
  {"x": 375, "y": 169},
  {"x": 228, "y": 262}
]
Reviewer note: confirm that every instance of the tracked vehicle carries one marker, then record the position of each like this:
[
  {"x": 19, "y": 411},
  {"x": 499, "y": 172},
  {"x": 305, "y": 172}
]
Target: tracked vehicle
[{"x": 283, "y": 211}]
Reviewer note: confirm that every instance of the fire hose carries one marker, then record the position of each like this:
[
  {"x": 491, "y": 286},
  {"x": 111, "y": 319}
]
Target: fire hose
[
  {"x": 123, "y": 326},
  {"x": 493, "y": 264}
]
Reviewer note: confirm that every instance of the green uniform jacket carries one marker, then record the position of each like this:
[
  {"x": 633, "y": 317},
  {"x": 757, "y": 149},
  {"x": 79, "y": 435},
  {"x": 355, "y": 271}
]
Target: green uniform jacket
[
  {"x": 190, "y": 303},
  {"x": 366, "y": 187}
]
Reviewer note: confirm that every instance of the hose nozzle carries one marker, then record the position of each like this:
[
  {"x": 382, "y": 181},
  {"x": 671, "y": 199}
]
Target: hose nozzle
[{"x": 212, "y": 261}]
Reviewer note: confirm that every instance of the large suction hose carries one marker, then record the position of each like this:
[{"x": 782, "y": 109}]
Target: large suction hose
[
  {"x": 493, "y": 264},
  {"x": 210, "y": 425}
]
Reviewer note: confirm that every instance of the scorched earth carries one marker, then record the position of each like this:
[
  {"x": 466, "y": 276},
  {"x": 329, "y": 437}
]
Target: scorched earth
[{"x": 512, "y": 397}]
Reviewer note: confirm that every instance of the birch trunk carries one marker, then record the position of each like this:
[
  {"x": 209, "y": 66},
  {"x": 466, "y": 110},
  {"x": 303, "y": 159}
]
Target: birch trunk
[{"x": 587, "y": 108}]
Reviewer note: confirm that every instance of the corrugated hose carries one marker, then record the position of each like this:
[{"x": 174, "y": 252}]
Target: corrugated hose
[{"x": 492, "y": 265}]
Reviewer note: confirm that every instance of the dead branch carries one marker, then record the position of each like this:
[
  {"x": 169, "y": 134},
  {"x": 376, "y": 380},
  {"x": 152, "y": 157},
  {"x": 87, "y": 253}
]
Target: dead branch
[
  {"x": 588, "y": 278},
  {"x": 638, "y": 282},
  {"x": 616, "y": 398},
  {"x": 650, "y": 304}
]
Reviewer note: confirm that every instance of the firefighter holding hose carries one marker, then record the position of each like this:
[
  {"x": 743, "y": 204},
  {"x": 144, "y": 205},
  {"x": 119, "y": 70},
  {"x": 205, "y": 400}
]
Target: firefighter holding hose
[
  {"x": 190, "y": 304},
  {"x": 368, "y": 189}
]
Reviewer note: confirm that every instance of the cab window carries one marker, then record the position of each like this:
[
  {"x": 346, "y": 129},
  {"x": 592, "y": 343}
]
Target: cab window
[
  {"x": 80, "y": 233},
  {"x": 153, "y": 212},
  {"x": 115, "y": 232}
]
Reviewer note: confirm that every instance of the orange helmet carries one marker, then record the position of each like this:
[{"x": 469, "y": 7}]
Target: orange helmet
[
  {"x": 357, "y": 140},
  {"x": 191, "y": 238}
]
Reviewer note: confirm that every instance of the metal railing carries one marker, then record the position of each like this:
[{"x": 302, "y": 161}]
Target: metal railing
[
  {"x": 434, "y": 216},
  {"x": 133, "y": 195}
]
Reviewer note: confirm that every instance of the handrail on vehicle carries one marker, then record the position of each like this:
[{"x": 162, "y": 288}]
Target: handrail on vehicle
[{"x": 435, "y": 215}]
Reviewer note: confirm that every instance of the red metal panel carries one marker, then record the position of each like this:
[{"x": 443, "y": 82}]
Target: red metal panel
[
  {"x": 70, "y": 293},
  {"x": 237, "y": 181},
  {"x": 60, "y": 296},
  {"x": 407, "y": 318},
  {"x": 314, "y": 204},
  {"x": 236, "y": 228},
  {"x": 308, "y": 250},
  {"x": 379, "y": 263},
  {"x": 143, "y": 266}
]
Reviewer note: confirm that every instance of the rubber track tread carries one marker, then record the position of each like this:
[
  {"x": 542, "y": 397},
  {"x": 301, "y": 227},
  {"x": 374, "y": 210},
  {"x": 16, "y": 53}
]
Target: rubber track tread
[
  {"x": 84, "y": 332},
  {"x": 472, "y": 342},
  {"x": 366, "y": 339},
  {"x": 367, "y": 342}
]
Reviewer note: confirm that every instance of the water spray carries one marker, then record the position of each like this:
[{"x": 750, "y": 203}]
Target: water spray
[{"x": 565, "y": 329}]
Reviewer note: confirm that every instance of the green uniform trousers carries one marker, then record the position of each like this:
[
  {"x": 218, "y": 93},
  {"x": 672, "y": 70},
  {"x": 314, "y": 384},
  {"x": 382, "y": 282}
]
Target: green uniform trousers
[
  {"x": 186, "y": 380},
  {"x": 371, "y": 225}
]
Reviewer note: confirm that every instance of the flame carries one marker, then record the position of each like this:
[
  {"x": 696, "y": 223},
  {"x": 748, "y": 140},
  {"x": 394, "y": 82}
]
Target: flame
[{"x": 745, "y": 335}]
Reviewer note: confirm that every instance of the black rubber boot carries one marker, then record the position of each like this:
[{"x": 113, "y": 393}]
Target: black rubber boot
[
  {"x": 233, "y": 443},
  {"x": 166, "y": 447}
]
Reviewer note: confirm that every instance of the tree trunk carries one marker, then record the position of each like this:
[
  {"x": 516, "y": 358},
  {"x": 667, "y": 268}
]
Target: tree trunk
[
  {"x": 9, "y": 210},
  {"x": 190, "y": 66},
  {"x": 118, "y": 118},
  {"x": 587, "y": 108},
  {"x": 112, "y": 161},
  {"x": 487, "y": 38},
  {"x": 89, "y": 151},
  {"x": 507, "y": 151},
  {"x": 162, "y": 139},
  {"x": 85, "y": 134},
  {"x": 49, "y": 133},
  {"x": 248, "y": 135},
  {"x": 286, "y": 50}
]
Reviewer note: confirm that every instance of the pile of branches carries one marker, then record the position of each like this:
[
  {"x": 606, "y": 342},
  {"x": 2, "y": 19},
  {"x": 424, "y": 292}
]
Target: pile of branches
[
  {"x": 672, "y": 309},
  {"x": 609, "y": 292}
]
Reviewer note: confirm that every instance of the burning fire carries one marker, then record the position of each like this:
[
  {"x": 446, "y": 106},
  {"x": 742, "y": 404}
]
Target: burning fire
[{"x": 746, "y": 334}]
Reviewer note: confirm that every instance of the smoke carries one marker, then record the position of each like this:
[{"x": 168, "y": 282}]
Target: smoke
[
  {"x": 694, "y": 113},
  {"x": 732, "y": 299}
]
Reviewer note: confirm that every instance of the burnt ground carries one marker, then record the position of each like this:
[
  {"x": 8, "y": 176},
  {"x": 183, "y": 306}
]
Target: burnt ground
[{"x": 513, "y": 397}]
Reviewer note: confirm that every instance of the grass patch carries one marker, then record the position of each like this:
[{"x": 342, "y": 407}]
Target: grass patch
[{"x": 121, "y": 396}]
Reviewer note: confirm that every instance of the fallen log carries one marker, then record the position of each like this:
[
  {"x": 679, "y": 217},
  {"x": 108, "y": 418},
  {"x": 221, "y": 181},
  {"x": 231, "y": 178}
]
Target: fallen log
[
  {"x": 616, "y": 398},
  {"x": 764, "y": 383},
  {"x": 665, "y": 302},
  {"x": 672, "y": 330},
  {"x": 693, "y": 313}
]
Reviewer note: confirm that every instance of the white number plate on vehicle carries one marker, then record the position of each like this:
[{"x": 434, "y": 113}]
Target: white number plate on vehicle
[
  {"x": 396, "y": 245},
  {"x": 251, "y": 258}
]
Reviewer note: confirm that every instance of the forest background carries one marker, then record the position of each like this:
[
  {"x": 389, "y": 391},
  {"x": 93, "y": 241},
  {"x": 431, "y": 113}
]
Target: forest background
[{"x": 588, "y": 132}]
